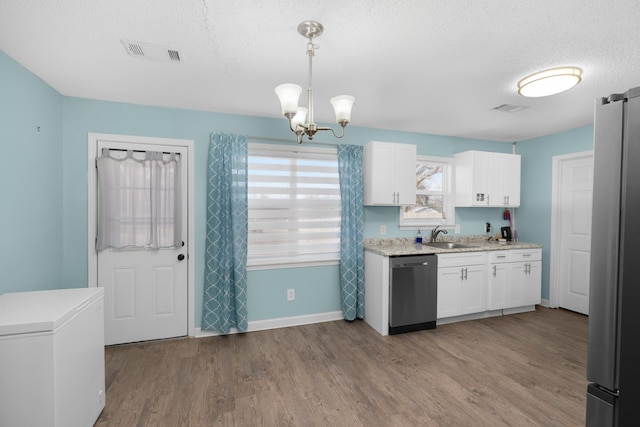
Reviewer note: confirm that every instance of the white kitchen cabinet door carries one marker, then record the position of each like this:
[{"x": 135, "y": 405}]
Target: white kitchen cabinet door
[
  {"x": 532, "y": 283},
  {"x": 471, "y": 180},
  {"x": 498, "y": 281},
  {"x": 511, "y": 179},
  {"x": 449, "y": 288},
  {"x": 473, "y": 290},
  {"x": 525, "y": 284},
  {"x": 389, "y": 174},
  {"x": 515, "y": 284}
]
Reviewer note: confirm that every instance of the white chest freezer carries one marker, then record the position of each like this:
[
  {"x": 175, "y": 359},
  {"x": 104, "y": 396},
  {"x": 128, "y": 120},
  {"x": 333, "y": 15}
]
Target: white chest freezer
[{"x": 52, "y": 357}]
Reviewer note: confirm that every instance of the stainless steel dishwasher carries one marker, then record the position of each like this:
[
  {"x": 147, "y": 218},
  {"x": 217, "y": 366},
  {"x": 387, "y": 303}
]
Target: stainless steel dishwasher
[{"x": 413, "y": 293}]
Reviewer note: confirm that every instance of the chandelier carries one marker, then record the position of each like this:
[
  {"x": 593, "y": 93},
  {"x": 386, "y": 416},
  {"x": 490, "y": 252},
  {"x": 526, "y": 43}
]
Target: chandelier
[{"x": 301, "y": 119}]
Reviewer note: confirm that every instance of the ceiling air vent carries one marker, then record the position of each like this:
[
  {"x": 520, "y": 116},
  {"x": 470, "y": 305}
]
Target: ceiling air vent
[
  {"x": 151, "y": 51},
  {"x": 174, "y": 55},
  {"x": 508, "y": 108}
]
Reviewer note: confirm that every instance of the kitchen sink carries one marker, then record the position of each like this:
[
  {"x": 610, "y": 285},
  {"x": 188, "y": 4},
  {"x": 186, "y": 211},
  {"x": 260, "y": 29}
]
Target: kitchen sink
[{"x": 447, "y": 245}]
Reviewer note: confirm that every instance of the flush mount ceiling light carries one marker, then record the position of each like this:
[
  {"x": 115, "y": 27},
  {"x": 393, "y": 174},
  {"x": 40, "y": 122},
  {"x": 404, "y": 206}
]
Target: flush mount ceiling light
[
  {"x": 549, "y": 82},
  {"x": 301, "y": 119}
]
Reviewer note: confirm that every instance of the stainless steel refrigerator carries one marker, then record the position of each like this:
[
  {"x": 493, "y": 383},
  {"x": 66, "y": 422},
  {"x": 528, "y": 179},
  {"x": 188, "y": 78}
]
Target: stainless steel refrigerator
[{"x": 613, "y": 363}]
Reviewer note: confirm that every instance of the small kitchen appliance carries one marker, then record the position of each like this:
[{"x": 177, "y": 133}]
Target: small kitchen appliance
[{"x": 506, "y": 233}]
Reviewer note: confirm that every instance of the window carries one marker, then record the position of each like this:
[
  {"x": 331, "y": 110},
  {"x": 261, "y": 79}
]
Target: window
[
  {"x": 294, "y": 205},
  {"x": 434, "y": 195},
  {"x": 139, "y": 203}
]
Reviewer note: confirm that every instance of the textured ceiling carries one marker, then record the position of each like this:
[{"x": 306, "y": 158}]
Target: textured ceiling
[{"x": 414, "y": 65}]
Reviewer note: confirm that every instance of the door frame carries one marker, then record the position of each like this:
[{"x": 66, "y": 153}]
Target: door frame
[
  {"x": 558, "y": 163},
  {"x": 92, "y": 197}
]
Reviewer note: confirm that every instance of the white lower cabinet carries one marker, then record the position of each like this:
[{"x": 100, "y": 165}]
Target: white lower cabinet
[
  {"x": 461, "y": 283},
  {"x": 470, "y": 284},
  {"x": 476, "y": 283},
  {"x": 515, "y": 278}
]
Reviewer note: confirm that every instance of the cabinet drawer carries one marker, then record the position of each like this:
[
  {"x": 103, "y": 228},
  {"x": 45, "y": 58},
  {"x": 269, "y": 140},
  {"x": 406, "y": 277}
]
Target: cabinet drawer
[
  {"x": 500, "y": 256},
  {"x": 461, "y": 258},
  {"x": 526, "y": 255}
]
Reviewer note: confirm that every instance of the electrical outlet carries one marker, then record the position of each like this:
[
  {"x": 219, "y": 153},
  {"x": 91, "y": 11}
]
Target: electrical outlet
[
  {"x": 291, "y": 294},
  {"x": 487, "y": 227},
  {"x": 383, "y": 230}
]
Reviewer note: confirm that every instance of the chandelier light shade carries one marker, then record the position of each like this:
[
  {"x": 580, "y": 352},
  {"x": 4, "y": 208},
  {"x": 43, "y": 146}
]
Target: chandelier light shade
[
  {"x": 342, "y": 105},
  {"x": 289, "y": 95},
  {"x": 549, "y": 82},
  {"x": 301, "y": 119}
]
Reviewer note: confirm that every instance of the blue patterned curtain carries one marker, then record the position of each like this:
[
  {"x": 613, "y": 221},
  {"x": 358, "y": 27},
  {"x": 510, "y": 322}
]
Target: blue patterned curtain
[
  {"x": 351, "y": 250},
  {"x": 225, "y": 286}
]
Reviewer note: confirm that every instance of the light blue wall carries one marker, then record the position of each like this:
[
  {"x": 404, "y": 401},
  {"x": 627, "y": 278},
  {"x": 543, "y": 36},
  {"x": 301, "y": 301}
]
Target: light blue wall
[
  {"x": 30, "y": 181},
  {"x": 533, "y": 219},
  {"x": 47, "y": 223},
  {"x": 317, "y": 289}
]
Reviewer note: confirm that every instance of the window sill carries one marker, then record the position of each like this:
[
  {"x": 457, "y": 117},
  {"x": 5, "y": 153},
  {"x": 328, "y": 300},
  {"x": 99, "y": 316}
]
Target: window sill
[
  {"x": 447, "y": 227},
  {"x": 284, "y": 265}
]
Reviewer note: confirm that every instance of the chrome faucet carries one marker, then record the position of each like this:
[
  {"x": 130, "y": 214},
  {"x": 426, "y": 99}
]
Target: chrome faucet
[{"x": 435, "y": 232}]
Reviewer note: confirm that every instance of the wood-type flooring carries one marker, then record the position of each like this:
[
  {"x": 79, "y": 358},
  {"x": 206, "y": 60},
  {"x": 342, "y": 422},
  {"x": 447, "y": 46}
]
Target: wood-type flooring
[{"x": 525, "y": 369}]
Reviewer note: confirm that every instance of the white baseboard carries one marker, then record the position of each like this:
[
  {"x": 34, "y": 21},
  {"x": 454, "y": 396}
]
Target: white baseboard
[
  {"x": 545, "y": 303},
  {"x": 465, "y": 317},
  {"x": 486, "y": 314},
  {"x": 282, "y": 322},
  {"x": 516, "y": 310}
]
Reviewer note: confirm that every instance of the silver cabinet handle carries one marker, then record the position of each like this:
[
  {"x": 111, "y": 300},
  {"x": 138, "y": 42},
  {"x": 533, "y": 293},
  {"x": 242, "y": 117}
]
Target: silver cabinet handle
[
  {"x": 462, "y": 274},
  {"x": 465, "y": 273},
  {"x": 495, "y": 269}
]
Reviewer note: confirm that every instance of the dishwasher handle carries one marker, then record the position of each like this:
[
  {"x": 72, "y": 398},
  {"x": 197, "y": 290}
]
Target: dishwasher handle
[{"x": 410, "y": 264}]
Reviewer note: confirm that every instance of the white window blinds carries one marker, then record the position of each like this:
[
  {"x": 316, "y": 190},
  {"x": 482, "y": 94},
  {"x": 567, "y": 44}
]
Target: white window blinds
[{"x": 294, "y": 205}]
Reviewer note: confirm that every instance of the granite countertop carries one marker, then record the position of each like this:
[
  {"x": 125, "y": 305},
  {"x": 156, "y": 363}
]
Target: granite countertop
[{"x": 407, "y": 246}]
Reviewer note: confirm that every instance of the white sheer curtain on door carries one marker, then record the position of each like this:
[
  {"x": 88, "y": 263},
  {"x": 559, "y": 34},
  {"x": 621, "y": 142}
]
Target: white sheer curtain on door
[{"x": 138, "y": 200}]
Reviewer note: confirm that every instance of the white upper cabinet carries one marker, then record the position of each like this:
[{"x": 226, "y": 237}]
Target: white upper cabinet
[
  {"x": 389, "y": 174},
  {"x": 487, "y": 179}
]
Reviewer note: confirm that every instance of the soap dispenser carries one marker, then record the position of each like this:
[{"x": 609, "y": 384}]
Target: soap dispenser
[{"x": 419, "y": 237}]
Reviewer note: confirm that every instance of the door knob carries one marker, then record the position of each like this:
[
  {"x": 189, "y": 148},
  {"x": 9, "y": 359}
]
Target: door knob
[{"x": 180, "y": 257}]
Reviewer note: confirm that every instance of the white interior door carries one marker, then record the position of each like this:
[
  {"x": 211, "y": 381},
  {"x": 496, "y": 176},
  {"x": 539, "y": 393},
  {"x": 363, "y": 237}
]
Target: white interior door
[
  {"x": 146, "y": 291},
  {"x": 574, "y": 204}
]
